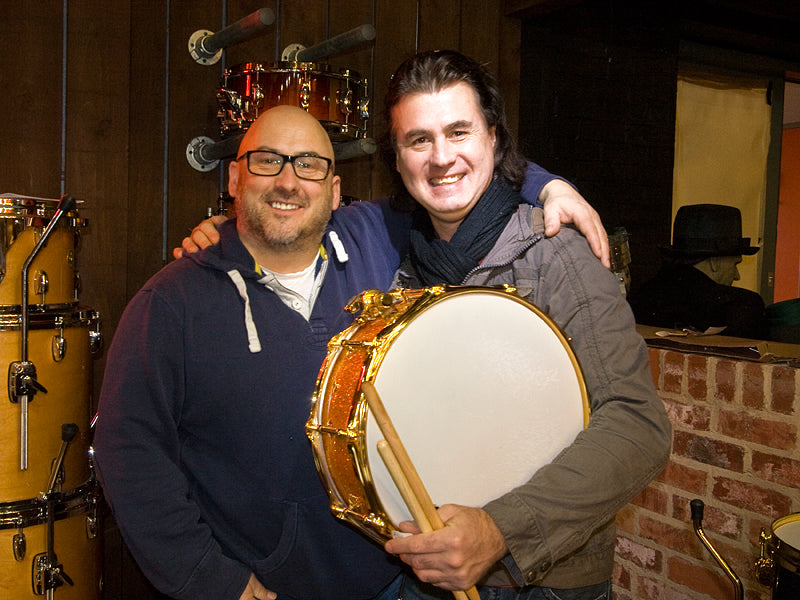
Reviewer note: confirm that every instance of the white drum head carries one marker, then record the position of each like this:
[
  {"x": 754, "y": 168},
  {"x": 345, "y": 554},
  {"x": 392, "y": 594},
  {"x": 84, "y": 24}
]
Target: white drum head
[
  {"x": 482, "y": 392},
  {"x": 789, "y": 533}
]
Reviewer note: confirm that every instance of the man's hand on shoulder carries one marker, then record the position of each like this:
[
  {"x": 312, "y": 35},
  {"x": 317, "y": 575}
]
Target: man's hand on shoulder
[
  {"x": 563, "y": 204},
  {"x": 204, "y": 235}
]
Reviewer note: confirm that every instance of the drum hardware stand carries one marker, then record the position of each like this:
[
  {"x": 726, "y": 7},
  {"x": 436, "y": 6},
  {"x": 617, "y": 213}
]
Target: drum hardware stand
[
  {"x": 48, "y": 573},
  {"x": 205, "y": 47},
  {"x": 22, "y": 384},
  {"x": 355, "y": 148},
  {"x": 697, "y": 507},
  {"x": 335, "y": 45},
  {"x": 204, "y": 154}
]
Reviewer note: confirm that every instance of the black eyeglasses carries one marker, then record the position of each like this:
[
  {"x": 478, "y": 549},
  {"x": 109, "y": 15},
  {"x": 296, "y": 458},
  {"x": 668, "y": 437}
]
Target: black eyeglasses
[{"x": 269, "y": 164}]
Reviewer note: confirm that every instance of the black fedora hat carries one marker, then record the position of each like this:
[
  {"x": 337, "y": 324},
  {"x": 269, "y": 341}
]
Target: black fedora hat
[{"x": 704, "y": 230}]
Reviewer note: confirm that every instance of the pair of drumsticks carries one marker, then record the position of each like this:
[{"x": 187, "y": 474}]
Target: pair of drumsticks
[{"x": 405, "y": 475}]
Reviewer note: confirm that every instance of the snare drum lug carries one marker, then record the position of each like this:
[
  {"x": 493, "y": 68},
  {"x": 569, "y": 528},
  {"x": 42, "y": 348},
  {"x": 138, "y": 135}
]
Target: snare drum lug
[
  {"x": 19, "y": 545},
  {"x": 346, "y": 102},
  {"x": 357, "y": 344},
  {"x": 305, "y": 94},
  {"x": 765, "y": 566},
  {"x": 363, "y": 108},
  {"x": 258, "y": 100},
  {"x": 334, "y": 431}
]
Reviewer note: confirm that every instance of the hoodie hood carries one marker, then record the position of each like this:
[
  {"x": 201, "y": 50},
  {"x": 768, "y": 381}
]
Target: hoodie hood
[{"x": 231, "y": 257}]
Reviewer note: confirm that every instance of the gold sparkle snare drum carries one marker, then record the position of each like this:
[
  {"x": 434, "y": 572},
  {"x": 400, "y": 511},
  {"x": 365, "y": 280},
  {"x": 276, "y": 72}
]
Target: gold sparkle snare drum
[{"x": 481, "y": 386}]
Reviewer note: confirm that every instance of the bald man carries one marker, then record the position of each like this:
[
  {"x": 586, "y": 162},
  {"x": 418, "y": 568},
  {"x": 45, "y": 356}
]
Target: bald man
[{"x": 200, "y": 442}]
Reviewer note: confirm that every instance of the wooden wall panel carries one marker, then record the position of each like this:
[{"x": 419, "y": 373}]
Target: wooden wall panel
[
  {"x": 440, "y": 25},
  {"x": 192, "y": 113},
  {"x": 144, "y": 202},
  {"x": 30, "y": 71},
  {"x": 344, "y": 16},
  {"x": 480, "y": 24},
  {"x": 97, "y": 161},
  {"x": 396, "y": 23}
]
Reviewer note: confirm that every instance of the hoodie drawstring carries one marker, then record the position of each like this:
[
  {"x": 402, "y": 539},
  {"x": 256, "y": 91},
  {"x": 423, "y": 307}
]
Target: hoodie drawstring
[
  {"x": 252, "y": 335},
  {"x": 341, "y": 254}
]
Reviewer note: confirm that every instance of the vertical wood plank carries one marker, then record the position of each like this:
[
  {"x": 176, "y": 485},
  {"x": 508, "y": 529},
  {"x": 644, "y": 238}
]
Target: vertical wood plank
[
  {"x": 440, "y": 25},
  {"x": 344, "y": 16},
  {"x": 144, "y": 203},
  {"x": 98, "y": 81},
  {"x": 480, "y": 26},
  {"x": 396, "y": 25},
  {"x": 30, "y": 70},
  {"x": 508, "y": 73},
  {"x": 192, "y": 111}
]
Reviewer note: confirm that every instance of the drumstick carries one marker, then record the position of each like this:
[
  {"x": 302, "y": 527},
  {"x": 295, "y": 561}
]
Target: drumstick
[
  {"x": 403, "y": 486},
  {"x": 408, "y": 473}
]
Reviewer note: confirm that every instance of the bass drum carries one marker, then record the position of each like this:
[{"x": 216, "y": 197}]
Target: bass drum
[
  {"x": 338, "y": 99},
  {"x": 779, "y": 565},
  {"x": 481, "y": 386}
]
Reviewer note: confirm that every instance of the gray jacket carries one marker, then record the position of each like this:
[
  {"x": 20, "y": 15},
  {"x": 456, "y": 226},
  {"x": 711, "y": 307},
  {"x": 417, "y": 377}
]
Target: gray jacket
[{"x": 559, "y": 526}]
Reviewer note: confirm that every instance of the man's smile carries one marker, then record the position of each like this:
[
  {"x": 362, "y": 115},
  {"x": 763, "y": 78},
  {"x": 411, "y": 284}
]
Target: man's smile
[{"x": 437, "y": 181}]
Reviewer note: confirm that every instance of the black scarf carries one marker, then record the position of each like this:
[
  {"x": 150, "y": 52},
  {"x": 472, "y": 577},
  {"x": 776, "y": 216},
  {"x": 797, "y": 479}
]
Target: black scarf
[{"x": 437, "y": 261}]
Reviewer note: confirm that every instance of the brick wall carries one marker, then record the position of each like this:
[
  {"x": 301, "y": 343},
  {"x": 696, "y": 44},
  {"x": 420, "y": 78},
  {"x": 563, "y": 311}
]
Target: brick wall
[{"x": 735, "y": 446}]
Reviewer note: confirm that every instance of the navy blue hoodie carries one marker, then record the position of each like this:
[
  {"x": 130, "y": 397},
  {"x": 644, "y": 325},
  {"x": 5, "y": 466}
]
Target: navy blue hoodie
[{"x": 200, "y": 442}]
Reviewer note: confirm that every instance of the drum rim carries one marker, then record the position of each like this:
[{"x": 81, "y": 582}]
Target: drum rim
[
  {"x": 787, "y": 555},
  {"x": 377, "y": 522},
  {"x": 287, "y": 66},
  {"x": 33, "y": 511},
  {"x": 53, "y": 316}
]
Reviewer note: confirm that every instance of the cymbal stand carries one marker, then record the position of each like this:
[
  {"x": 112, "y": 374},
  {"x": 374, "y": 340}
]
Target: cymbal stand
[{"x": 697, "y": 507}]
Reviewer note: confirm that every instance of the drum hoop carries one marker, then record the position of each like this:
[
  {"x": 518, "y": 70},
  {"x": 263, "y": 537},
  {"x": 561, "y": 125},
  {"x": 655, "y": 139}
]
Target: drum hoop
[
  {"x": 786, "y": 555},
  {"x": 33, "y": 511},
  {"x": 30, "y": 208},
  {"x": 55, "y": 315},
  {"x": 377, "y": 523},
  {"x": 292, "y": 67}
]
